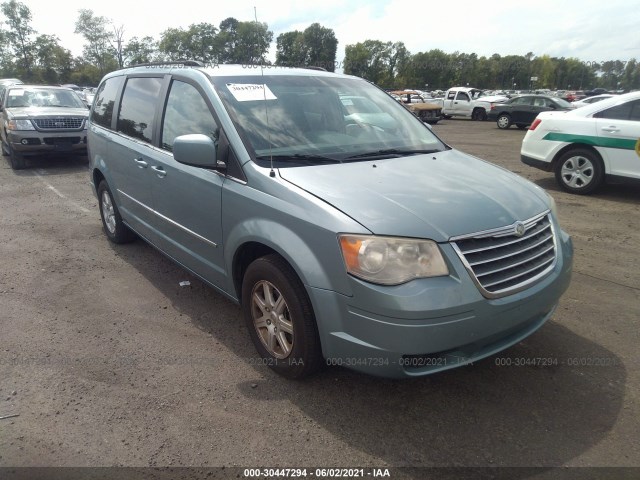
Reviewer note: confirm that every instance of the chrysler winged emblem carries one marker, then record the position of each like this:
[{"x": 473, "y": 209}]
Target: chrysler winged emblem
[{"x": 518, "y": 229}]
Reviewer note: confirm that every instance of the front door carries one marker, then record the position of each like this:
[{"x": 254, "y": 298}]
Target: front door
[{"x": 187, "y": 199}]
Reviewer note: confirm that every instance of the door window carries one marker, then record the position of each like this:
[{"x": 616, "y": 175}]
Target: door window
[
  {"x": 625, "y": 111},
  {"x": 138, "y": 106},
  {"x": 102, "y": 111},
  {"x": 186, "y": 113}
]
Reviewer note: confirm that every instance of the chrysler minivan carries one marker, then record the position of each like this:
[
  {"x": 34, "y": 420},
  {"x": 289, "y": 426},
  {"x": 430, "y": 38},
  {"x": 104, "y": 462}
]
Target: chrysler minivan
[{"x": 347, "y": 238}]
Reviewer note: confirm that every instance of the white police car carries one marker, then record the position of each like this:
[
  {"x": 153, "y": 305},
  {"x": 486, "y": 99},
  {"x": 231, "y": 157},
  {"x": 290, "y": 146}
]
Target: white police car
[{"x": 588, "y": 146}]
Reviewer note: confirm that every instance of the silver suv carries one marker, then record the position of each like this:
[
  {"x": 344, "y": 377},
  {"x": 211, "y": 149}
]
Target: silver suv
[
  {"x": 39, "y": 120},
  {"x": 348, "y": 238}
]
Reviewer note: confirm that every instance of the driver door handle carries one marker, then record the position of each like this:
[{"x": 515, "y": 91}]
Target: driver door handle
[
  {"x": 141, "y": 163},
  {"x": 161, "y": 172},
  {"x": 611, "y": 129}
]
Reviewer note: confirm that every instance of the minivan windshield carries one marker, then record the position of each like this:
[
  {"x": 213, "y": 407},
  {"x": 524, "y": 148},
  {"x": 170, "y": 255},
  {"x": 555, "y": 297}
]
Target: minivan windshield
[{"x": 301, "y": 120}]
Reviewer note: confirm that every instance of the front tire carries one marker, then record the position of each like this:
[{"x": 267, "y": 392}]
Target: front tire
[
  {"x": 280, "y": 318},
  {"x": 112, "y": 223},
  {"x": 504, "y": 121},
  {"x": 16, "y": 159},
  {"x": 579, "y": 171}
]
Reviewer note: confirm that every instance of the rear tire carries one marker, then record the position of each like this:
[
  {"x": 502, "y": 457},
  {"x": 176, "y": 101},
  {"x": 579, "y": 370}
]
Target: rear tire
[
  {"x": 504, "y": 121},
  {"x": 112, "y": 223},
  {"x": 280, "y": 318},
  {"x": 579, "y": 171},
  {"x": 479, "y": 114}
]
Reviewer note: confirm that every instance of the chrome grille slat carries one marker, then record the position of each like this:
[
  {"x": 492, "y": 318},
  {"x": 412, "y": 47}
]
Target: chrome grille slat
[
  {"x": 521, "y": 262},
  {"x": 517, "y": 240},
  {"x": 63, "y": 123},
  {"x": 501, "y": 263},
  {"x": 513, "y": 277},
  {"x": 511, "y": 254}
]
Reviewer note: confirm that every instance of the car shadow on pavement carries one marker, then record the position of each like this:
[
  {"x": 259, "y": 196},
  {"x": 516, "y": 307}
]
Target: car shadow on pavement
[
  {"x": 541, "y": 403},
  {"x": 623, "y": 193},
  {"x": 51, "y": 165}
]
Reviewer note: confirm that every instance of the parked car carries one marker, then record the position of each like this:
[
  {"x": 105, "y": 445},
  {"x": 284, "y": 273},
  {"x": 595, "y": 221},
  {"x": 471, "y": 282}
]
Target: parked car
[
  {"x": 588, "y": 146},
  {"x": 39, "y": 120},
  {"x": 469, "y": 102},
  {"x": 427, "y": 110},
  {"x": 10, "y": 81},
  {"x": 590, "y": 100},
  {"x": 523, "y": 110},
  {"x": 346, "y": 240}
]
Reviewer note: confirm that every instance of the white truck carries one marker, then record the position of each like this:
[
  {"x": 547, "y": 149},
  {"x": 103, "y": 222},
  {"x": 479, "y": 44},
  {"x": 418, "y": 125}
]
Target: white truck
[{"x": 469, "y": 103}]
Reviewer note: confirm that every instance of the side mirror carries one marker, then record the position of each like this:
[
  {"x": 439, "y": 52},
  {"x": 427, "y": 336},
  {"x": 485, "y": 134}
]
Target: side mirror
[{"x": 197, "y": 150}]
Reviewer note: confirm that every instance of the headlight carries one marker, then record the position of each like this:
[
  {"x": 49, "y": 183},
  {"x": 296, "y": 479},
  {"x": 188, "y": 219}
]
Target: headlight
[
  {"x": 391, "y": 261},
  {"x": 20, "y": 125}
]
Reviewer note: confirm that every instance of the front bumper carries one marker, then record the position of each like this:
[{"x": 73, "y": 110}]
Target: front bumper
[
  {"x": 431, "y": 325},
  {"x": 34, "y": 142}
]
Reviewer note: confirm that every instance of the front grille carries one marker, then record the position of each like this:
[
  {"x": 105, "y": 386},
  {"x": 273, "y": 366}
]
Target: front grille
[
  {"x": 501, "y": 262},
  {"x": 63, "y": 123}
]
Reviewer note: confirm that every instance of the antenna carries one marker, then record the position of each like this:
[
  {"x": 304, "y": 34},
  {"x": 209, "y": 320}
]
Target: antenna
[{"x": 272, "y": 173}]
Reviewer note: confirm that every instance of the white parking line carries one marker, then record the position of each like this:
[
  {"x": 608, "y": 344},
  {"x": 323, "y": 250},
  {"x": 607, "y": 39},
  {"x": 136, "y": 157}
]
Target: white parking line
[{"x": 58, "y": 193}]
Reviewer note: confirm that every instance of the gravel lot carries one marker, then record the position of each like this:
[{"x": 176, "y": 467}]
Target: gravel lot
[{"x": 109, "y": 362}]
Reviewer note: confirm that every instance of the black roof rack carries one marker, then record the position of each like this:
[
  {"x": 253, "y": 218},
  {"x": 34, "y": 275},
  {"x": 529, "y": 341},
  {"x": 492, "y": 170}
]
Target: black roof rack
[{"x": 186, "y": 63}]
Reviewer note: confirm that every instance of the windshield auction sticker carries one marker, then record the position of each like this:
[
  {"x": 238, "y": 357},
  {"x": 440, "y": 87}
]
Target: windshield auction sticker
[{"x": 246, "y": 92}]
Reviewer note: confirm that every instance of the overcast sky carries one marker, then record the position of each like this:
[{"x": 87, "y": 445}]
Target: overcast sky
[{"x": 592, "y": 30}]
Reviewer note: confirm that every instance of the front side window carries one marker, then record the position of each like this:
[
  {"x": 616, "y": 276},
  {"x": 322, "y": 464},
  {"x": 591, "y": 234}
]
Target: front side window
[
  {"x": 186, "y": 113},
  {"x": 138, "y": 106},
  {"x": 102, "y": 111},
  {"x": 463, "y": 97}
]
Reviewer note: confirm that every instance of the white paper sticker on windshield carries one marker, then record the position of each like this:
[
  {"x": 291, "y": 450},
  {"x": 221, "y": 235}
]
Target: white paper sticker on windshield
[
  {"x": 246, "y": 92},
  {"x": 17, "y": 93}
]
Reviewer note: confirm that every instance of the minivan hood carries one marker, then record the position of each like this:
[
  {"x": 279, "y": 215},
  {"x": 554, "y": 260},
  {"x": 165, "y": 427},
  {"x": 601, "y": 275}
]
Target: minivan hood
[
  {"x": 46, "y": 112},
  {"x": 436, "y": 196}
]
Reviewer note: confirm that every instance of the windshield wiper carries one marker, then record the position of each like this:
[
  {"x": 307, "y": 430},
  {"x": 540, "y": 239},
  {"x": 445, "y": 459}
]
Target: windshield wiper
[
  {"x": 299, "y": 157},
  {"x": 65, "y": 106},
  {"x": 393, "y": 151}
]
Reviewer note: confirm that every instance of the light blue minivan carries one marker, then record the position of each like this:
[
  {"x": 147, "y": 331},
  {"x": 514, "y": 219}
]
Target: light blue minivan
[{"x": 349, "y": 233}]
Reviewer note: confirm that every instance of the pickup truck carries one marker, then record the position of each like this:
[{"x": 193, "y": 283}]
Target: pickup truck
[{"x": 468, "y": 102}]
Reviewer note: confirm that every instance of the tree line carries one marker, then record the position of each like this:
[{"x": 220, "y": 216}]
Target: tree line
[{"x": 40, "y": 58}]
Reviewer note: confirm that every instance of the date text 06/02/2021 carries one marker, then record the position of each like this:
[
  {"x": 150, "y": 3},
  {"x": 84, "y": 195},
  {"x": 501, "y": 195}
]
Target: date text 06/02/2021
[{"x": 316, "y": 472}]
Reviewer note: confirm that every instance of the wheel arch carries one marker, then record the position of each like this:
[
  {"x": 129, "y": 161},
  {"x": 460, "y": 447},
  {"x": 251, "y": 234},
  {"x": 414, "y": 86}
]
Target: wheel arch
[
  {"x": 251, "y": 240},
  {"x": 576, "y": 146}
]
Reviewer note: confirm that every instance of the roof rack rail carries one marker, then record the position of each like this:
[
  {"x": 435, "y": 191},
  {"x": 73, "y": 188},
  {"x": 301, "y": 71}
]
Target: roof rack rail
[
  {"x": 186, "y": 63},
  {"x": 315, "y": 67}
]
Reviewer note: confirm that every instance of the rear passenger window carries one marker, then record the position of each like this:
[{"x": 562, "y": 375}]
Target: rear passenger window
[
  {"x": 138, "y": 106},
  {"x": 625, "y": 111},
  {"x": 102, "y": 112},
  {"x": 186, "y": 113}
]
